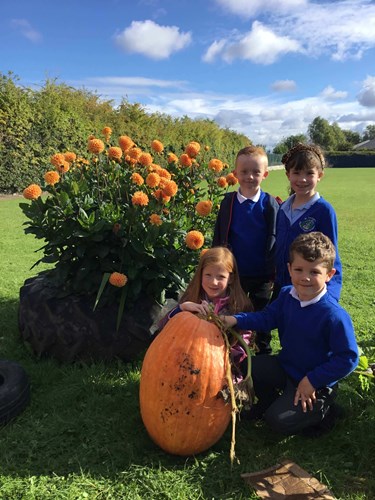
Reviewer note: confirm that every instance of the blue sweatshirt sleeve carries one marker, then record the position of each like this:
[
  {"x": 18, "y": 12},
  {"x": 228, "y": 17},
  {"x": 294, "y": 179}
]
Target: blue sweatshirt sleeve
[
  {"x": 264, "y": 320},
  {"x": 344, "y": 355}
]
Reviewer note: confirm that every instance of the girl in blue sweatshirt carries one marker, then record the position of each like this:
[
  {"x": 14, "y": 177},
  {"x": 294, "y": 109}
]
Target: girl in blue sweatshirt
[
  {"x": 304, "y": 211},
  {"x": 296, "y": 388}
]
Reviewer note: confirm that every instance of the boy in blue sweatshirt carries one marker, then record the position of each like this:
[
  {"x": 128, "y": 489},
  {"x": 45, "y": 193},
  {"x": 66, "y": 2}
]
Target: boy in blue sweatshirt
[
  {"x": 246, "y": 223},
  {"x": 296, "y": 387}
]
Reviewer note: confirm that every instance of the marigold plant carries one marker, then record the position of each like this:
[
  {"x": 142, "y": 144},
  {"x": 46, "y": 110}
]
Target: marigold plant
[
  {"x": 103, "y": 219},
  {"x": 32, "y": 192},
  {"x": 118, "y": 279},
  {"x": 204, "y": 207}
]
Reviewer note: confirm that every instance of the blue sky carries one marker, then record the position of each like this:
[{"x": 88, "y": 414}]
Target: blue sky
[{"x": 265, "y": 68}]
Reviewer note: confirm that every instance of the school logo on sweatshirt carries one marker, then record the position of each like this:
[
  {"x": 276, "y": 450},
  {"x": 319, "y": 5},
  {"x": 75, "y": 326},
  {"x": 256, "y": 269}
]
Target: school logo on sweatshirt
[{"x": 307, "y": 224}]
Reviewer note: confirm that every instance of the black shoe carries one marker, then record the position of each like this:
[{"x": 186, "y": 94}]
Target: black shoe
[{"x": 334, "y": 413}]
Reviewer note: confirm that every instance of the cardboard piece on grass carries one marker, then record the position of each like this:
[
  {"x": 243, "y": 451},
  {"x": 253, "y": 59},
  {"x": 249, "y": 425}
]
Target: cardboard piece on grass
[{"x": 287, "y": 480}]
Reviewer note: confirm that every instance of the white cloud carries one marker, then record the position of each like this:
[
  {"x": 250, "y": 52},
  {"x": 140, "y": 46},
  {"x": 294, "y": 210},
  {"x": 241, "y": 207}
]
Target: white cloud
[
  {"x": 366, "y": 96},
  {"x": 152, "y": 40},
  {"x": 265, "y": 120},
  {"x": 250, "y": 8},
  {"x": 24, "y": 27},
  {"x": 342, "y": 30},
  {"x": 214, "y": 51},
  {"x": 284, "y": 86},
  {"x": 260, "y": 45},
  {"x": 330, "y": 94},
  {"x": 136, "y": 81}
]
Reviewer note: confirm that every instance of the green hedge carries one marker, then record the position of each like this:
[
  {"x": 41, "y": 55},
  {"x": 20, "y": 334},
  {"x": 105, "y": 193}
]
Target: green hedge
[
  {"x": 35, "y": 124},
  {"x": 351, "y": 160}
]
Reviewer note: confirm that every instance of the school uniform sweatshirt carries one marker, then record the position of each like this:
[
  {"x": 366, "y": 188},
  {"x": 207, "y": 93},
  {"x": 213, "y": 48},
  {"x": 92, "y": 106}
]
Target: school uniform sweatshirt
[
  {"x": 319, "y": 217},
  {"x": 316, "y": 340}
]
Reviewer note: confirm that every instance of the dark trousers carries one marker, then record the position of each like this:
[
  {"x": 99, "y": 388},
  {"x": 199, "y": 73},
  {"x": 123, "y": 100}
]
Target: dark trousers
[
  {"x": 275, "y": 392},
  {"x": 260, "y": 292}
]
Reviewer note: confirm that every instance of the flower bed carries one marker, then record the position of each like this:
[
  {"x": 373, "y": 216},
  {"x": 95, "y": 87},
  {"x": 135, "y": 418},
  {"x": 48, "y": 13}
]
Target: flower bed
[{"x": 125, "y": 222}]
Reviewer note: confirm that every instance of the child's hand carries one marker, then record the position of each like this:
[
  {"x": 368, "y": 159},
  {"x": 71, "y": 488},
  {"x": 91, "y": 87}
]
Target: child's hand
[
  {"x": 228, "y": 321},
  {"x": 193, "y": 307},
  {"x": 306, "y": 394}
]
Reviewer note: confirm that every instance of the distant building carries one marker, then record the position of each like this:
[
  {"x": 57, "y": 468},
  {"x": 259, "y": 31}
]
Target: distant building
[{"x": 370, "y": 144}]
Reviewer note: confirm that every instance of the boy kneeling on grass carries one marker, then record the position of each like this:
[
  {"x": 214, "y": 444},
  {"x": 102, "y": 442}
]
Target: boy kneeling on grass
[{"x": 296, "y": 387}]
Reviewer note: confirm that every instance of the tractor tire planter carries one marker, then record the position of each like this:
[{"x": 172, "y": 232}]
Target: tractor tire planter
[
  {"x": 14, "y": 390},
  {"x": 182, "y": 375},
  {"x": 67, "y": 329}
]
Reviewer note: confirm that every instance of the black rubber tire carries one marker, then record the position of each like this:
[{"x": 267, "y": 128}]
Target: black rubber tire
[{"x": 14, "y": 390}]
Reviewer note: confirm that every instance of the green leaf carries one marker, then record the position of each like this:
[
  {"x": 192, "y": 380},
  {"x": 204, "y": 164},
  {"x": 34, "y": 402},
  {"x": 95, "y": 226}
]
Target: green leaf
[
  {"x": 105, "y": 278},
  {"x": 121, "y": 307}
]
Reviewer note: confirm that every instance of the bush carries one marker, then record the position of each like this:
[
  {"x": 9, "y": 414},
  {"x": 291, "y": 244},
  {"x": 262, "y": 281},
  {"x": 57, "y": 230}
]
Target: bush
[{"x": 125, "y": 215}]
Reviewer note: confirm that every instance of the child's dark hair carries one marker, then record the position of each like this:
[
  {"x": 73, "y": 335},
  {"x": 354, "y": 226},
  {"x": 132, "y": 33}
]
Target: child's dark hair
[
  {"x": 313, "y": 246},
  {"x": 302, "y": 156}
]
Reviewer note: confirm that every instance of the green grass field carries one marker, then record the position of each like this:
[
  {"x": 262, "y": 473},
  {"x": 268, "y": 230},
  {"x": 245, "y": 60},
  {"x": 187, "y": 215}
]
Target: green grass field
[{"x": 82, "y": 436}]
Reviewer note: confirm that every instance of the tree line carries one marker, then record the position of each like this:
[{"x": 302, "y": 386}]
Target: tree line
[
  {"x": 329, "y": 136},
  {"x": 37, "y": 123}
]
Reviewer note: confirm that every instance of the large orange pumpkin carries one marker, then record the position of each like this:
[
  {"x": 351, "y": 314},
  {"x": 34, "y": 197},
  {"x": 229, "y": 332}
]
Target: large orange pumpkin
[{"x": 182, "y": 374}]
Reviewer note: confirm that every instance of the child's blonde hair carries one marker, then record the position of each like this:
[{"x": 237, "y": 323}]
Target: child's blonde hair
[
  {"x": 252, "y": 151},
  {"x": 303, "y": 156},
  {"x": 238, "y": 300},
  {"x": 313, "y": 246}
]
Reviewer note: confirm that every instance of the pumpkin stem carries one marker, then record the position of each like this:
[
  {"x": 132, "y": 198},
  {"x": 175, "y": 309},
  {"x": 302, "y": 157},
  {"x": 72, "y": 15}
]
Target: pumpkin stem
[
  {"x": 228, "y": 374},
  {"x": 246, "y": 385}
]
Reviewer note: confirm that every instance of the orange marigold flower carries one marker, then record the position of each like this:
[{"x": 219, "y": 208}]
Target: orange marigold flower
[
  {"x": 116, "y": 227},
  {"x": 64, "y": 167},
  {"x": 161, "y": 196},
  {"x": 51, "y": 177},
  {"x": 140, "y": 198},
  {"x": 137, "y": 179},
  {"x": 222, "y": 182},
  {"x": 145, "y": 159},
  {"x": 114, "y": 153},
  {"x": 70, "y": 156},
  {"x": 163, "y": 172},
  {"x": 215, "y": 165},
  {"x": 57, "y": 159},
  {"x": 203, "y": 251},
  {"x": 118, "y": 279},
  {"x": 170, "y": 188},
  {"x": 95, "y": 146},
  {"x": 204, "y": 207},
  {"x": 153, "y": 168},
  {"x": 172, "y": 158},
  {"x": 134, "y": 153},
  {"x": 125, "y": 142},
  {"x": 231, "y": 179},
  {"x": 107, "y": 132},
  {"x": 155, "y": 220},
  {"x": 185, "y": 160},
  {"x": 192, "y": 149},
  {"x": 194, "y": 240},
  {"x": 157, "y": 146},
  {"x": 91, "y": 137},
  {"x": 153, "y": 179},
  {"x": 32, "y": 192}
]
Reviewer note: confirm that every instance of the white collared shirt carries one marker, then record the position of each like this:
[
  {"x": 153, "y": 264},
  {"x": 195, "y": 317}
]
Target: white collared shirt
[
  {"x": 241, "y": 198},
  {"x": 305, "y": 303}
]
